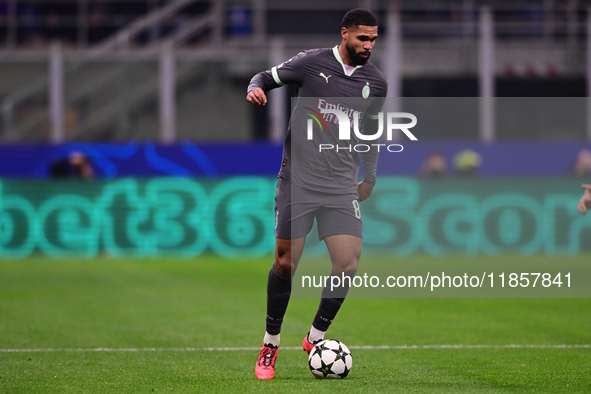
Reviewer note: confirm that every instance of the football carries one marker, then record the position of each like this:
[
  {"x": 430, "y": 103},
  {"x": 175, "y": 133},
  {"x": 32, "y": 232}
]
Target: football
[{"x": 330, "y": 359}]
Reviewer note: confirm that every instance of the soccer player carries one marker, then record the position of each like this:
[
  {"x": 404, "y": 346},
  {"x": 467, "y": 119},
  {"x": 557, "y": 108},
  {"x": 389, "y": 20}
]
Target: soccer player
[
  {"x": 585, "y": 201},
  {"x": 320, "y": 187}
]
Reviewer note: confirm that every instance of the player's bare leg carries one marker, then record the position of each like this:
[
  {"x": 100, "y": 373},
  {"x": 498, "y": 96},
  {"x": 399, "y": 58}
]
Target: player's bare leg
[
  {"x": 287, "y": 256},
  {"x": 288, "y": 253},
  {"x": 344, "y": 251}
]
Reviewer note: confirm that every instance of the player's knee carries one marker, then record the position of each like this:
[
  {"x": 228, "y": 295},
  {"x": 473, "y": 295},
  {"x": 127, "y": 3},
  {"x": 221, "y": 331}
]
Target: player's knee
[
  {"x": 283, "y": 267},
  {"x": 349, "y": 268},
  {"x": 282, "y": 262}
]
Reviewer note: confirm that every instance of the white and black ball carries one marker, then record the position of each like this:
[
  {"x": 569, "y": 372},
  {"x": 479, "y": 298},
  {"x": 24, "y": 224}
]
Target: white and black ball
[{"x": 330, "y": 359}]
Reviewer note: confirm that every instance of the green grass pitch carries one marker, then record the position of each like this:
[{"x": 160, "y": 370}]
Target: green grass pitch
[{"x": 76, "y": 306}]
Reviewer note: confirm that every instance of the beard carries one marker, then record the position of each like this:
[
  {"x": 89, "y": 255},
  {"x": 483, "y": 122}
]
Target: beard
[{"x": 359, "y": 60}]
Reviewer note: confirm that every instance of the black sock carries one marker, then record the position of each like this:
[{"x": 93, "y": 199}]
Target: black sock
[
  {"x": 278, "y": 293},
  {"x": 329, "y": 305}
]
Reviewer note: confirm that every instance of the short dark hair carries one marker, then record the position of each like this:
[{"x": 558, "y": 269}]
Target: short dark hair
[{"x": 359, "y": 17}]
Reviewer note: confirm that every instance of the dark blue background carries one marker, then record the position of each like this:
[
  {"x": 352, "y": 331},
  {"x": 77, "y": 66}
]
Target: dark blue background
[{"x": 192, "y": 159}]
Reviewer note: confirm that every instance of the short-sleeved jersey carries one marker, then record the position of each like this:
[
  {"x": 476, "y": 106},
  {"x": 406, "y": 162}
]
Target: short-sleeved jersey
[{"x": 321, "y": 73}]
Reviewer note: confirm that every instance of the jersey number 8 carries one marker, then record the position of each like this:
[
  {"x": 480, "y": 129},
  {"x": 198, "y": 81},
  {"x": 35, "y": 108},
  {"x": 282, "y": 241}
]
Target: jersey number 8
[{"x": 357, "y": 209}]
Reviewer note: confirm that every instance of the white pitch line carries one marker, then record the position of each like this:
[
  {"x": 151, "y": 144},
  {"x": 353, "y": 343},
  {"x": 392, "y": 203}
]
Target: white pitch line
[{"x": 235, "y": 349}]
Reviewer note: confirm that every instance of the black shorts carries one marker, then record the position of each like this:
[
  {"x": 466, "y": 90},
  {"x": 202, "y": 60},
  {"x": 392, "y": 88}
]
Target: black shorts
[{"x": 296, "y": 208}]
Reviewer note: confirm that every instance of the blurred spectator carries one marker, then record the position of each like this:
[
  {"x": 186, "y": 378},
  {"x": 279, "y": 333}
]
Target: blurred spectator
[
  {"x": 30, "y": 31},
  {"x": 435, "y": 165},
  {"x": 98, "y": 23},
  {"x": 239, "y": 20},
  {"x": 60, "y": 20},
  {"x": 585, "y": 201},
  {"x": 466, "y": 162},
  {"x": 76, "y": 165},
  {"x": 3, "y": 18},
  {"x": 582, "y": 165}
]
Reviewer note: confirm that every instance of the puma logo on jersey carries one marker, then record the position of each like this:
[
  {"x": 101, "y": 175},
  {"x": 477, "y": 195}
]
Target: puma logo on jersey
[{"x": 325, "y": 77}]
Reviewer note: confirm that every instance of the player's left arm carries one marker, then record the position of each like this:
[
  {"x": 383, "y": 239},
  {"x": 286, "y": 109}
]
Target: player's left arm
[
  {"x": 585, "y": 202},
  {"x": 364, "y": 189},
  {"x": 369, "y": 125}
]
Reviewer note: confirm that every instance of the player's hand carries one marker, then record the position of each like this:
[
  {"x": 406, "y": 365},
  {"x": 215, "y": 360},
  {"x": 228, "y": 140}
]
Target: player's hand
[
  {"x": 257, "y": 96},
  {"x": 365, "y": 190},
  {"x": 585, "y": 201}
]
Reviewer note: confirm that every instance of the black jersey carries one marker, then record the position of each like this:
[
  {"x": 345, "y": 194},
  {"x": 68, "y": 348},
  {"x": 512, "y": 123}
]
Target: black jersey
[{"x": 321, "y": 74}]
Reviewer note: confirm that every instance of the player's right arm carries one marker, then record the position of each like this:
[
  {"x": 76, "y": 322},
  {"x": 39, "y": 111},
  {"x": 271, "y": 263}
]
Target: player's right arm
[
  {"x": 291, "y": 71},
  {"x": 370, "y": 158},
  {"x": 257, "y": 96}
]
